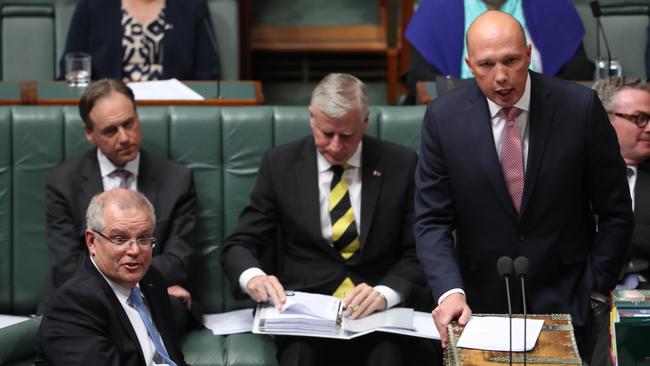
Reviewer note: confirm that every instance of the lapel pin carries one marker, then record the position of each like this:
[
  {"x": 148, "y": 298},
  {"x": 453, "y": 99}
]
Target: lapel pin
[
  {"x": 376, "y": 173},
  {"x": 169, "y": 26}
]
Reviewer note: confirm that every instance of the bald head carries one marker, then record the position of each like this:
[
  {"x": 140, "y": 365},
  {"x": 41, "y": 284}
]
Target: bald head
[
  {"x": 498, "y": 57},
  {"x": 494, "y": 25}
]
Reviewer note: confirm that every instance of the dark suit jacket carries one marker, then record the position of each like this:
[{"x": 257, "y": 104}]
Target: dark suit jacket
[
  {"x": 640, "y": 245},
  {"x": 284, "y": 204},
  {"x": 188, "y": 54},
  {"x": 574, "y": 171},
  {"x": 69, "y": 188},
  {"x": 85, "y": 323}
]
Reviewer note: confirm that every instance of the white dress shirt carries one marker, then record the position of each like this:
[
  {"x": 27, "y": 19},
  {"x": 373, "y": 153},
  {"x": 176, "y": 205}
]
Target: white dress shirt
[{"x": 110, "y": 181}]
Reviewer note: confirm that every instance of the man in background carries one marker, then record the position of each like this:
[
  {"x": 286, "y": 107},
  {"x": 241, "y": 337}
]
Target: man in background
[{"x": 627, "y": 102}]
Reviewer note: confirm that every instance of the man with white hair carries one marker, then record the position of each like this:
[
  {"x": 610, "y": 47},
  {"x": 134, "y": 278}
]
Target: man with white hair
[
  {"x": 115, "y": 309},
  {"x": 338, "y": 207}
]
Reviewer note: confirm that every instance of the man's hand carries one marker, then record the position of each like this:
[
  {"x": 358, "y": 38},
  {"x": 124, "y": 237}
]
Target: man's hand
[
  {"x": 261, "y": 288},
  {"x": 452, "y": 307},
  {"x": 363, "y": 300},
  {"x": 180, "y": 293}
]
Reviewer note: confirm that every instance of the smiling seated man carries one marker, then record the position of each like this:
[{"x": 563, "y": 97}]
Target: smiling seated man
[
  {"x": 111, "y": 122},
  {"x": 115, "y": 309}
]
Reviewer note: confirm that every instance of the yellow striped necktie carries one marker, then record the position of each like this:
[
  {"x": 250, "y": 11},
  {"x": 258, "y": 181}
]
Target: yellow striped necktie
[{"x": 344, "y": 229}]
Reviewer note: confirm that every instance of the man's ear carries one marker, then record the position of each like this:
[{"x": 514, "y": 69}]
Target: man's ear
[
  {"x": 90, "y": 241},
  {"x": 88, "y": 133}
]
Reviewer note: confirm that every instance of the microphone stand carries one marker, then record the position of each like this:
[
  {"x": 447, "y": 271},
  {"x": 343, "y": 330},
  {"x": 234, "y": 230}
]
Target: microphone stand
[
  {"x": 521, "y": 271},
  {"x": 507, "y": 279},
  {"x": 523, "y": 297},
  {"x": 505, "y": 269}
]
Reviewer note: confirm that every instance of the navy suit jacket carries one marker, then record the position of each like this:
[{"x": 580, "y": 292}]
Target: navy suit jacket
[
  {"x": 574, "y": 171},
  {"x": 69, "y": 188},
  {"x": 188, "y": 54},
  {"x": 284, "y": 213},
  {"x": 85, "y": 323}
]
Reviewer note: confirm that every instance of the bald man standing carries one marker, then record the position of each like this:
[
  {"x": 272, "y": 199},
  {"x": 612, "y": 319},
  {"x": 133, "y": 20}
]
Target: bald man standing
[{"x": 519, "y": 164}]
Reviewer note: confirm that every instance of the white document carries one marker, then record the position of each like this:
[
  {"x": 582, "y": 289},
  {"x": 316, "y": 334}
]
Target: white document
[
  {"x": 492, "y": 333},
  {"x": 237, "y": 321},
  {"x": 398, "y": 318},
  {"x": 171, "y": 89},
  {"x": 7, "y": 320},
  {"x": 315, "y": 315}
]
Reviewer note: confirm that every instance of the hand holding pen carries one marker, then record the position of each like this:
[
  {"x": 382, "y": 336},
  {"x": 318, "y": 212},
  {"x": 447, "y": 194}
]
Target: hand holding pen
[{"x": 362, "y": 301}]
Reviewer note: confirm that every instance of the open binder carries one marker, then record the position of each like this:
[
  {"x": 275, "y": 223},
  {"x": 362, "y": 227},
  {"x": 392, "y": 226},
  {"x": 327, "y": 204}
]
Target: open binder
[{"x": 315, "y": 315}]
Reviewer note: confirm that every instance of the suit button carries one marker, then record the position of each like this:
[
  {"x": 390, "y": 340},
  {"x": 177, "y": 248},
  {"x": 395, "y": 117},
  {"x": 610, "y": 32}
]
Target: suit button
[{"x": 521, "y": 237}]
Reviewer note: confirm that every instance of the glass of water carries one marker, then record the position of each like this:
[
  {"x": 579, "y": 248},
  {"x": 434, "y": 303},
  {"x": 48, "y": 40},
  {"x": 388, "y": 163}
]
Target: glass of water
[
  {"x": 602, "y": 71},
  {"x": 77, "y": 69}
]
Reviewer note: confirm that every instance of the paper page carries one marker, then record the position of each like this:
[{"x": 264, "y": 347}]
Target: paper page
[
  {"x": 401, "y": 318},
  {"x": 424, "y": 327},
  {"x": 7, "y": 320},
  {"x": 317, "y": 305},
  {"x": 171, "y": 89},
  {"x": 237, "y": 321},
  {"x": 492, "y": 333}
]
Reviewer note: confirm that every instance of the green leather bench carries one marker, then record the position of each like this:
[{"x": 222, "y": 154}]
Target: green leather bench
[{"x": 223, "y": 147}]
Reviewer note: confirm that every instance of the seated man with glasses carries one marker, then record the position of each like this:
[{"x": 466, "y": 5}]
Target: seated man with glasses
[
  {"x": 627, "y": 101},
  {"x": 111, "y": 123},
  {"x": 115, "y": 309}
]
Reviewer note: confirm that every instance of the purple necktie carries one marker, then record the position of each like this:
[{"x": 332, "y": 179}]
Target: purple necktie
[
  {"x": 124, "y": 176},
  {"x": 512, "y": 157}
]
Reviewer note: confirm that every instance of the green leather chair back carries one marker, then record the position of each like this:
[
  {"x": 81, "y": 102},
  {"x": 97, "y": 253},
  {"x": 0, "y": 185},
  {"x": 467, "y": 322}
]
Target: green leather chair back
[
  {"x": 222, "y": 146},
  {"x": 28, "y": 42}
]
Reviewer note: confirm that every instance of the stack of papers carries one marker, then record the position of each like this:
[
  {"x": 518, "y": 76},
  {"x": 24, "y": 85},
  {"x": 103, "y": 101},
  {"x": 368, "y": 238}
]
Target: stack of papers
[{"x": 302, "y": 313}]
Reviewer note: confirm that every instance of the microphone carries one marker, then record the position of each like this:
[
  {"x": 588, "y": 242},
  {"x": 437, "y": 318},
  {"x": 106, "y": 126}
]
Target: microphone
[
  {"x": 202, "y": 13},
  {"x": 597, "y": 12},
  {"x": 521, "y": 271},
  {"x": 505, "y": 269}
]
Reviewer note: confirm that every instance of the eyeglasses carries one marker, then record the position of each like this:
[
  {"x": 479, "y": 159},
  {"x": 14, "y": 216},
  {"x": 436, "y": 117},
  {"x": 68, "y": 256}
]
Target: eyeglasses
[
  {"x": 143, "y": 241},
  {"x": 640, "y": 119}
]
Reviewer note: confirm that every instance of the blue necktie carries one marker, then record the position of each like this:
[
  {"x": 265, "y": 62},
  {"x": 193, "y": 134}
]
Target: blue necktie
[{"x": 138, "y": 304}]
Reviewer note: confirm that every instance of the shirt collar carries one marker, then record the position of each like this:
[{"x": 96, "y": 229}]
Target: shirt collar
[
  {"x": 354, "y": 161},
  {"x": 523, "y": 103},
  {"x": 107, "y": 167}
]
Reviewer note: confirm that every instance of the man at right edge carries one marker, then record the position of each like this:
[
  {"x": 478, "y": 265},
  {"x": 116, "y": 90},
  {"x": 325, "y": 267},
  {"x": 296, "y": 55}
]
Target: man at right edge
[{"x": 545, "y": 181}]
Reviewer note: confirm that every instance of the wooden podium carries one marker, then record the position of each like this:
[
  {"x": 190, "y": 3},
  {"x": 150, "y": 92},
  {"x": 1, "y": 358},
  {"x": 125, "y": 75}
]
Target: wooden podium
[{"x": 556, "y": 345}]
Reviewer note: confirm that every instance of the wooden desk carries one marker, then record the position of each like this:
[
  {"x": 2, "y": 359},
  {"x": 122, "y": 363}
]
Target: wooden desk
[
  {"x": 233, "y": 93},
  {"x": 556, "y": 345}
]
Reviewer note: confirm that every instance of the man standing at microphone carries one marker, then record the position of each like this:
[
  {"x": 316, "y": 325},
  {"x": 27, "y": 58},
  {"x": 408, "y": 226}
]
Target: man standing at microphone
[{"x": 518, "y": 164}]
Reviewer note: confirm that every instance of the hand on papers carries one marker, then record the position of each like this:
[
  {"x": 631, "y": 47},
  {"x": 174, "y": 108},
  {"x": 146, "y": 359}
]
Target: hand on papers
[
  {"x": 180, "y": 293},
  {"x": 452, "y": 307},
  {"x": 263, "y": 288},
  {"x": 363, "y": 300}
]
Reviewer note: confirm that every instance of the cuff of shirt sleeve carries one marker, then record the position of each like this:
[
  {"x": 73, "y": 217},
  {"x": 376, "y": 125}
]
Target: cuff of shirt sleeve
[
  {"x": 452, "y": 291},
  {"x": 392, "y": 297},
  {"x": 247, "y": 275}
]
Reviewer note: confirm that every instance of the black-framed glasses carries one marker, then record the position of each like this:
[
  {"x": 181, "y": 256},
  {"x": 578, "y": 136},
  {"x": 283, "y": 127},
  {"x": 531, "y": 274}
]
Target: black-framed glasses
[
  {"x": 143, "y": 241},
  {"x": 640, "y": 119}
]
